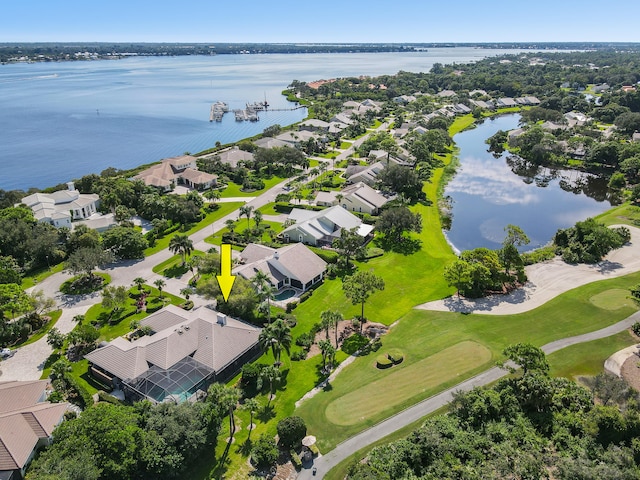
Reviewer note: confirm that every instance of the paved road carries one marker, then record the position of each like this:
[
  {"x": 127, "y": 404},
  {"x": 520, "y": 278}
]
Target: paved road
[{"x": 429, "y": 405}]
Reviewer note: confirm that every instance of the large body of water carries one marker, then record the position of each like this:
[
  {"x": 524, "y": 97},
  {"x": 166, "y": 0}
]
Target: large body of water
[
  {"x": 486, "y": 195},
  {"x": 61, "y": 121}
]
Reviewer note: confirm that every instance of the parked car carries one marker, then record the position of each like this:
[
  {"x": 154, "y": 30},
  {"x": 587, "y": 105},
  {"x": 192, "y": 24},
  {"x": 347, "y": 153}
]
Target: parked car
[{"x": 6, "y": 353}]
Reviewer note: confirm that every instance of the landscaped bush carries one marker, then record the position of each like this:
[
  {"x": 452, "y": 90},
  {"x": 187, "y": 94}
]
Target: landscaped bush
[
  {"x": 305, "y": 296},
  {"x": 264, "y": 453},
  {"x": 295, "y": 459},
  {"x": 188, "y": 305},
  {"x": 84, "y": 284},
  {"x": 291, "y": 431},
  {"x": 291, "y": 306},
  {"x": 373, "y": 252},
  {"x": 395, "y": 355},
  {"x": 538, "y": 255},
  {"x": 354, "y": 343},
  {"x": 636, "y": 328},
  {"x": 305, "y": 340},
  {"x": 329, "y": 256},
  {"x": 105, "y": 397},
  {"x": 299, "y": 355},
  {"x": 383, "y": 361}
]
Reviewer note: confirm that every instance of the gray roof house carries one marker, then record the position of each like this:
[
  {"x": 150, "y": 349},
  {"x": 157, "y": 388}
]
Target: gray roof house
[
  {"x": 314, "y": 125},
  {"x": 506, "y": 102},
  {"x": 234, "y": 156},
  {"x": 360, "y": 197},
  {"x": 321, "y": 228},
  {"x": 187, "y": 351},
  {"x": 292, "y": 266},
  {"x": 27, "y": 422}
]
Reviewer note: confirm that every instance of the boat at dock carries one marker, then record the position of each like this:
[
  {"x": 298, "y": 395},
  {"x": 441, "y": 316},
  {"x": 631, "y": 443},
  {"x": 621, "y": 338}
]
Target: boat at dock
[{"x": 218, "y": 109}]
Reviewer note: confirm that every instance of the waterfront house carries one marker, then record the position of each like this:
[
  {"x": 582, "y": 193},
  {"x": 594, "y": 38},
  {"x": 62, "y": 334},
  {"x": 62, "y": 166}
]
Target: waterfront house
[
  {"x": 234, "y": 156},
  {"x": 314, "y": 125},
  {"x": 269, "y": 142},
  {"x": 177, "y": 171},
  {"x": 506, "y": 102},
  {"x": 185, "y": 353},
  {"x": 355, "y": 198},
  {"x": 321, "y": 228},
  {"x": 62, "y": 207},
  {"x": 292, "y": 266},
  {"x": 27, "y": 422}
]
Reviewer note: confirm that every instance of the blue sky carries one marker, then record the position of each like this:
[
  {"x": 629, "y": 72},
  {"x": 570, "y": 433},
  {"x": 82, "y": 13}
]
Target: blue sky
[{"x": 318, "y": 21}]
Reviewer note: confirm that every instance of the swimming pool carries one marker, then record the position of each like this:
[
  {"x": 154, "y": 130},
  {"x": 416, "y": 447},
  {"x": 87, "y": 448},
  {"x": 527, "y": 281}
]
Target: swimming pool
[{"x": 285, "y": 294}]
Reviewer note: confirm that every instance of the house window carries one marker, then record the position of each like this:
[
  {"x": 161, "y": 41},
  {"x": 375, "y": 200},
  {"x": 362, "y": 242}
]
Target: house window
[{"x": 300, "y": 238}]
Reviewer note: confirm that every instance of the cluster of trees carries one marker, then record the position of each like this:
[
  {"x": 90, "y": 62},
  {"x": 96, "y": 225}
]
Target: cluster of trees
[
  {"x": 32, "y": 308},
  {"x": 589, "y": 241},
  {"x": 482, "y": 270},
  {"x": 527, "y": 426},
  {"x": 142, "y": 441}
]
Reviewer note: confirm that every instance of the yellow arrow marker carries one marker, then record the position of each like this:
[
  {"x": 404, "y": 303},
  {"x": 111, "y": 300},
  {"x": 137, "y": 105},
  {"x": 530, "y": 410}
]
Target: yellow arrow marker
[{"x": 225, "y": 279}]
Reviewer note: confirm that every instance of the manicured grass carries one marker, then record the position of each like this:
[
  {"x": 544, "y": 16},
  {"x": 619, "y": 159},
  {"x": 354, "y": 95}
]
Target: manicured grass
[
  {"x": 269, "y": 209},
  {"x": 625, "y": 214},
  {"x": 396, "y": 385},
  {"x": 234, "y": 190},
  {"x": 423, "y": 333},
  {"x": 223, "y": 210},
  {"x": 216, "y": 238},
  {"x": 172, "y": 267},
  {"x": 55, "y": 316},
  {"x": 587, "y": 358},
  {"x": 38, "y": 276},
  {"x": 612, "y": 299}
]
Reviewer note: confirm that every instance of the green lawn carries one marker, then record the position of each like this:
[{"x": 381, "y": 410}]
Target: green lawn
[
  {"x": 32, "y": 279},
  {"x": 172, "y": 267},
  {"x": 234, "y": 190},
  {"x": 269, "y": 209},
  {"x": 223, "y": 210},
  {"x": 55, "y": 316},
  {"x": 423, "y": 333}
]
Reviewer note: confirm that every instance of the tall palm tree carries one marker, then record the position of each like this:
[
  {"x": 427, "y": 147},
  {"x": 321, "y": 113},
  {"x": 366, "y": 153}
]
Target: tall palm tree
[
  {"x": 251, "y": 405},
  {"x": 265, "y": 291},
  {"x": 245, "y": 211},
  {"x": 327, "y": 351},
  {"x": 272, "y": 374},
  {"x": 276, "y": 336},
  {"x": 160, "y": 284},
  {"x": 181, "y": 244},
  {"x": 331, "y": 319},
  {"x": 257, "y": 218}
]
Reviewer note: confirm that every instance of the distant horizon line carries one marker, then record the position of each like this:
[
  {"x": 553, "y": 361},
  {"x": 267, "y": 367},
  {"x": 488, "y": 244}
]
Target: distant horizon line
[{"x": 408, "y": 43}]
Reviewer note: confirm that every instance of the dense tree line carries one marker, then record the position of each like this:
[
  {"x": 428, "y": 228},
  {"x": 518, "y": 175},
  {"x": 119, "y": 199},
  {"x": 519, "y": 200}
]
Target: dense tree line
[{"x": 142, "y": 441}]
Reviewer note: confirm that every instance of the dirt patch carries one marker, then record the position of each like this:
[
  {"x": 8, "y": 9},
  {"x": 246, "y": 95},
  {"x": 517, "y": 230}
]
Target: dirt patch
[
  {"x": 631, "y": 372},
  {"x": 345, "y": 328}
]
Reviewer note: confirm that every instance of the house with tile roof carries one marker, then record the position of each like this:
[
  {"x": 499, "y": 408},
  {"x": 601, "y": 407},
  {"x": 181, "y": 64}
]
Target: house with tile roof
[
  {"x": 185, "y": 353},
  {"x": 321, "y": 228},
  {"x": 291, "y": 266},
  {"x": 234, "y": 156},
  {"x": 177, "y": 171},
  {"x": 27, "y": 422}
]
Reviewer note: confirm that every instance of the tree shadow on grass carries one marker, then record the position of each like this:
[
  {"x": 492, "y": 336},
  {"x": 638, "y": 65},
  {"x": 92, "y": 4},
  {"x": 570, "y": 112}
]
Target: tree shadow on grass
[
  {"x": 245, "y": 448},
  {"x": 405, "y": 246},
  {"x": 175, "y": 271},
  {"x": 266, "y": 414}
]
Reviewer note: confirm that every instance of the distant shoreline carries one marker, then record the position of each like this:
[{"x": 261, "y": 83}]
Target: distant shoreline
[{"x": 37, "y": 52}]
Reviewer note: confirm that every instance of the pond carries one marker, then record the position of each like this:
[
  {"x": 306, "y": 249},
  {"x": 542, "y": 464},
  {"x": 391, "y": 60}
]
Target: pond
[{"x": 490, "y": 192}]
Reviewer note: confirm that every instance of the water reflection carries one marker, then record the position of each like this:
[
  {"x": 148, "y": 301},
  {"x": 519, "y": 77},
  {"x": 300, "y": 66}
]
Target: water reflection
[{"x": 491, "y": 191}]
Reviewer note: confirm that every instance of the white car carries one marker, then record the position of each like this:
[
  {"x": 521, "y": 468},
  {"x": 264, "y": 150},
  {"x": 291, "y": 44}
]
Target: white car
[{"x": 6, "y": 353}]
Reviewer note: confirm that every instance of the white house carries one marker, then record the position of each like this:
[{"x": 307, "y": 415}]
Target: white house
[
  {"x": 62, "y": 207},
  {"x": 321, "y": 228}
]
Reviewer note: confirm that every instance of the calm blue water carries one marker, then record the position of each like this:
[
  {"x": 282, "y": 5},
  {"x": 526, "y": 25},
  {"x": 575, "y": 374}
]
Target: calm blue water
[
  {"x": 487, "y": 195},
  {"x": 60, "y": 121}
]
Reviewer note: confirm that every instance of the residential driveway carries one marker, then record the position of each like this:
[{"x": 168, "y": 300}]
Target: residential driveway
[{"x": 430, "y": 405}]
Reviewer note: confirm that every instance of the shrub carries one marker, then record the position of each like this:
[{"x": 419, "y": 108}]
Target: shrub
[
  {"x": 299, "y": 355},
  {"x": 265, "y": 452},
  {"x": 291, "y": 306},
  {"x": 295, "y": 459},
  {"x": 77, "y": 394},
  {"x": 383, "y": 361},
  {"x": 395, "y": 355},
  {"x": 291, "y": 431},
  {"x": 636, "y": 328},
  {"x": 354, "y": 343},
  {"x": 305, "y": 296},
  {"x": 304, "y": 340},
  {"x": 105, "y": 397}
]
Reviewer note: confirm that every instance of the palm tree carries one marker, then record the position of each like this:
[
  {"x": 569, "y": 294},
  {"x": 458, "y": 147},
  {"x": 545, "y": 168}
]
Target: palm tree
[
  {"x": 181, "y": 244},
  {"x": 194, "y": 264},
  {"x": 257, "y": 218},
  {"x": 251, "y": 405},
  {"x": 331, "y": 319},
  {"x": 139, "y": 282},
  {"x": 212, "y": 195},
  {"x": 276, "y": 336},
  {"x": 231, "y": 226},
  {"x": 327, "y": 350},
  {"x": 339, "y": 197},
  {"x": 245, "y": 211},
  {"x": 265, "y": 291},
  {"x": 160, "y": 284},
  {"x": 272, "y": 374},
  {"x": 225, "y": 398}
]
